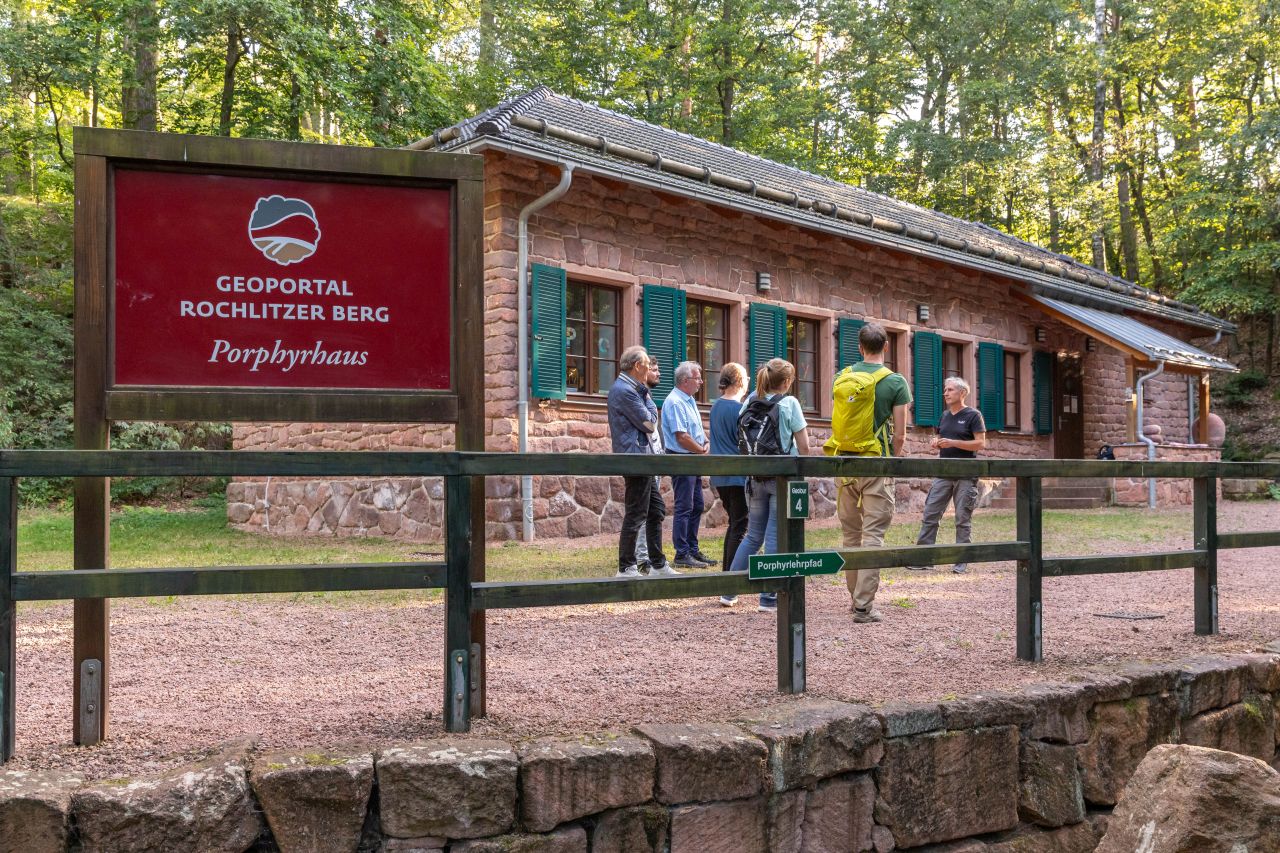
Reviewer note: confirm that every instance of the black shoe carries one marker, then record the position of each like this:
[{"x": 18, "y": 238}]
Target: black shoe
[
  {"x": 704, "y": 558},
  {"x": 690, "y": 562}
]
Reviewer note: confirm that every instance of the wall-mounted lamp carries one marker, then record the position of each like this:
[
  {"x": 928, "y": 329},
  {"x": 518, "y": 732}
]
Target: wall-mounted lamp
[
  {"x": 1041, "y": 335},
  {"x": 922, "y": 313},
  {"x": 764, "y": 282},
  {"x": 1090, "y": 345}
]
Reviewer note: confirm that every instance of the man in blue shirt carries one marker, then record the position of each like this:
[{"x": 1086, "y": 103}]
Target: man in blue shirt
[
  {"x": 682, "y": 432},
  {"x": 633, "y": 418}
]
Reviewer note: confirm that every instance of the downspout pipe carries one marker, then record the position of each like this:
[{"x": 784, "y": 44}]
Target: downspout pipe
[
  {"x": 1142, "y": 436},
  {"x": 522, "y": 338}
]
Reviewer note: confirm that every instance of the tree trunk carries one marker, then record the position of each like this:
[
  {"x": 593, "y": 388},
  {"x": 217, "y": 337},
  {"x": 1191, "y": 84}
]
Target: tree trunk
[
  {"x": 295, "y": 107},
  {"x": 726, "y": 84},
  {"x": 138, "y": 85},
  {"x": 1099, "y": 131},
  {"x": 1128, "y": 235},
  {"x": 234, "y": 52}
]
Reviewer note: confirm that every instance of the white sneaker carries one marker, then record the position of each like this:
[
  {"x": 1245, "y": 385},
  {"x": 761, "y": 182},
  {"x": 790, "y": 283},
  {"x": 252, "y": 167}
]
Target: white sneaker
[
  {"x": 728, "y": 600},
  {"x": 629, "y": 572},
  {"x": 663, "y": 571}
]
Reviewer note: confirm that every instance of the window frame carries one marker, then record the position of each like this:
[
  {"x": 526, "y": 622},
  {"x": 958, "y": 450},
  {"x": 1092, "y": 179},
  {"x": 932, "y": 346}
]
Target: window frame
[
  {"x": 710, "y": 384},
  {"x": 587, "y": 323},
  {"x": 1015, "y": 422},
  {"x": 793, "y": 352}
]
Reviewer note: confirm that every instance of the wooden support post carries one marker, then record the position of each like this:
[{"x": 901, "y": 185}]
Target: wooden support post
[
  {"x": 1030, "y": 530},
  {"x": 91, "y": 617},
  {"x": 8, "y": 614},
  {"x": 457, "y": 620},
  {"x": 1203, "y": 409},
  {"x": 791, "y": 605},
  {"x": 1205, "y": 511}
]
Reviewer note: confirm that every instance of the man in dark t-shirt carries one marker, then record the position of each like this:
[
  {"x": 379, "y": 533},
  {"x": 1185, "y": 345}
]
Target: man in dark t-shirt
[{"x": 961, "y": 434}]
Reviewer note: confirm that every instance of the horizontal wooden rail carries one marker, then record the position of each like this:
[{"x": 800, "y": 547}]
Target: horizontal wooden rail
[
  {"x": 330, "y": 464},
  {"x": 1062, "y": 567},
  {"x": 497, "y": 595},
  {"x": 1251, "y": 539},
  {"x": 933, "y": 555},
  {"x": 225, "y": 580}
]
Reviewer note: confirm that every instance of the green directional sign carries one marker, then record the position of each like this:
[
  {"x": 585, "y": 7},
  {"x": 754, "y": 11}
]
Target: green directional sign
[
  {"x": 797, "y": 499},
  {"x": 763, "y": 566}
]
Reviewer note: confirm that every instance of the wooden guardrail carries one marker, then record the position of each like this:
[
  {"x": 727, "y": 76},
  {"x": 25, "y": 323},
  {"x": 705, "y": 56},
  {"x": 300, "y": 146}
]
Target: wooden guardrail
[{"x": 465, "y": 472}]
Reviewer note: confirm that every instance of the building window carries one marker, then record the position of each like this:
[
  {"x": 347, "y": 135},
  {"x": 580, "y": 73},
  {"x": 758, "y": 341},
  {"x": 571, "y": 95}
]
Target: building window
[
  {"x": 802, "y": 351},
  {"x": 592, "y": 317},
  {"x": 1012, "y": 391},
  {"x": 952, "y": 360},
  {"x": 891, "y": 351},
  {"x": 707, "y": 342}
]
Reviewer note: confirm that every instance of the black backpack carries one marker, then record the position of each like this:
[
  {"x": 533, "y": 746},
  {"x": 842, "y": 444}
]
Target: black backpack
[{"x": 758, "y": 433}]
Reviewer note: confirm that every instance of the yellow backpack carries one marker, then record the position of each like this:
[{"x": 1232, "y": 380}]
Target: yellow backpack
[{"x": 853, "y": 415}]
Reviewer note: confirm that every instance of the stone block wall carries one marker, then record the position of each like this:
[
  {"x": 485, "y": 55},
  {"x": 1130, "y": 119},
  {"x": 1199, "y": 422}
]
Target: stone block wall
[
  {"x": 1035, "y": 769},
  {"x": 1133, "y": 491},
  {"x": 626, "y": 237}
]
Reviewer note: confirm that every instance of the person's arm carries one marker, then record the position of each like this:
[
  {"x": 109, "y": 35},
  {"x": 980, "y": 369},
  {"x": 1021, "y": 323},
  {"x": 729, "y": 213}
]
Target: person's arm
[
  {"x": 801, "y": 439},
  {"x": 686, "y": 441},
  {"x": 632, "y": 407},
  {"x": 978, "y": 442},
  {"x": 899, "y": 428}
]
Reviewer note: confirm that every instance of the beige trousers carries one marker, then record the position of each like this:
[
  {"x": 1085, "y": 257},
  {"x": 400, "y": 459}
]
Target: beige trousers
[{"x": 865, "y": 508}]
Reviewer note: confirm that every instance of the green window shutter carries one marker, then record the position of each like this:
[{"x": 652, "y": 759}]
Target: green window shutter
[
  {"x": 991, "y": 384},
  {"x": 664, "y": 325},
  {"x": 1042, "y": 381},
  {"x": 926, "y": 369},
  {"x": 547, "y": 301},
  {"x": 847, "y": 352},
  {"x": 766, "y": 336}
]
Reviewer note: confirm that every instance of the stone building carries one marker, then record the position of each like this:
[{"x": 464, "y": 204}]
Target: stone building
[{"x": 638, "y": 234}]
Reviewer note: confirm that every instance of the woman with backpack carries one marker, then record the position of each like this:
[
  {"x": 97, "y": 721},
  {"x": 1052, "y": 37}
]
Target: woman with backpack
[{"x": 770, "y": 423}]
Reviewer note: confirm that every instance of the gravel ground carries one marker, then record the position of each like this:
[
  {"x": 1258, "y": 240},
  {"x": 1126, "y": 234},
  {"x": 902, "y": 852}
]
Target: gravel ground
[{"x": 195, "y": 671}]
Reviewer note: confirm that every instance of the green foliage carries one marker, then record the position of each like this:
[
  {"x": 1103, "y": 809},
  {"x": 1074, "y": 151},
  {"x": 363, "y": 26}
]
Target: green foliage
[
  {"x": 1273, "y": 489},
  {"x": 1238, "y": 390}
]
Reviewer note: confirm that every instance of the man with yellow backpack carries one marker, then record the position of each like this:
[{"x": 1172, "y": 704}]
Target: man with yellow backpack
[{"x": 868, "y": 418}]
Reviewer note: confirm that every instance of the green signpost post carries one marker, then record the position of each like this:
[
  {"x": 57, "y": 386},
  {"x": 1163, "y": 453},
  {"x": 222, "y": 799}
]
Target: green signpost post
[{"x": 764, "y": 566}]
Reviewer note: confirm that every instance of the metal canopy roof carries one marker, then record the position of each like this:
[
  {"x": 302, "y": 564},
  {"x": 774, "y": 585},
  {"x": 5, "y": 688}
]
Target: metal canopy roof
[{"x": 1137, "y": 338}]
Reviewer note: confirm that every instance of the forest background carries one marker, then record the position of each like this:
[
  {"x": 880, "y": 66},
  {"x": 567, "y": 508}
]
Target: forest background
[{"x": 1142, "y": 137}]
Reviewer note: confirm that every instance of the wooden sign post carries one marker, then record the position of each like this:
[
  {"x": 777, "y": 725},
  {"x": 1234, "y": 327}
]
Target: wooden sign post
[{"x": 245, "y": 280}]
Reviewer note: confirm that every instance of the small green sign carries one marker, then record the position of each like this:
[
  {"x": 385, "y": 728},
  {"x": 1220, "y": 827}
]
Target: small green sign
[
  {"x": 764, "y": 566},
  {"x": 797, "y": 499}
]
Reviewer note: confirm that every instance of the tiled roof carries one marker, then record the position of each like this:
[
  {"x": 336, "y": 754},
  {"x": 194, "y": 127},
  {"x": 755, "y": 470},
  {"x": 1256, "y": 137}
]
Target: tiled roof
[{"x": 587, "y": 134}]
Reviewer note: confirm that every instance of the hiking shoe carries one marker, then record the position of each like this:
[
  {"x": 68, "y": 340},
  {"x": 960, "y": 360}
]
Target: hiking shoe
[
  {"x": 728, "y": 600},
  {"x": 864, "y": 616},
  {"x": 918, "y": 568},
  {"x": 768, "y": 607},
  {"x": 663, "y": 571},
  {"x": 628, "y": 572},
  {"x": 689, "y": 561},
  {"x": 704, "y": 558},
  {"x": 960, "y": 568}
]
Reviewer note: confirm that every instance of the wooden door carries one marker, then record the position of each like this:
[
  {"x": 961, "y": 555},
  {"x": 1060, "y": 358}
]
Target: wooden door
[{"x": 1068, "y": 437}]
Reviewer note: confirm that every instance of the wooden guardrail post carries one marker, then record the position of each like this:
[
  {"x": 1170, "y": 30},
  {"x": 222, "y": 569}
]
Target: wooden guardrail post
[
  {"x": 457, "y": 600},
  {"x": 1205, "y": 512},
  {"x": 8, "y": 613},
  {"x": 1031, "y": 531},
  {"x": 791, "y": 605}
]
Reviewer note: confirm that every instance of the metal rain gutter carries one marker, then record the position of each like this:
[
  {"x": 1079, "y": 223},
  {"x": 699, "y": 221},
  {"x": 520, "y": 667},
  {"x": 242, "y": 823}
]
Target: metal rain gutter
[
  {"x": 522, "y": 338},
  {"x": 1142, "y": 436},
  {"x": 880, "y": 236}
]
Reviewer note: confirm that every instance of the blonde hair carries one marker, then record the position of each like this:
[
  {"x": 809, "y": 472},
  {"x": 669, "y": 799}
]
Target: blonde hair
[
  {"x": 732, "y": 375},
  {"x": 774, "y": 376}
]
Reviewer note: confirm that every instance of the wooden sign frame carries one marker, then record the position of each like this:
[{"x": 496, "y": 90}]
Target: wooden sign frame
[{"x": 98, "y": 153}]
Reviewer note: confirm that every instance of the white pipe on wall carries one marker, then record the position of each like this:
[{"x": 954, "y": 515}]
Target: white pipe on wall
[
  {"x": 1142, "y": 436},
  {"x": 522, "y": 338}
]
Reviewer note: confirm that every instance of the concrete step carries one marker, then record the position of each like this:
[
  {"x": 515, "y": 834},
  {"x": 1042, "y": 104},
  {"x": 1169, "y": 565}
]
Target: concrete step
[
  {"x": 1072, "y": 503},
  {"x": 1075, "y": 492},
  {"x": 1074, "y": 482}
]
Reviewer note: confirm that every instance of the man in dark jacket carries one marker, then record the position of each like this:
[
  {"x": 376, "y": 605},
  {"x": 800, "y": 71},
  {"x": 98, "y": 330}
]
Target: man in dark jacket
[{"x": 633, "y": 418}]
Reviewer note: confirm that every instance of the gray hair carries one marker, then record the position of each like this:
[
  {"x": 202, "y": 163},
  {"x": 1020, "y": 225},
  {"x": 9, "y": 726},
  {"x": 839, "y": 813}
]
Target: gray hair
[
  {"x": 631, "y": 356},
  {"x": 958, "y": 383},
  {"x": 685, "y": 369}
]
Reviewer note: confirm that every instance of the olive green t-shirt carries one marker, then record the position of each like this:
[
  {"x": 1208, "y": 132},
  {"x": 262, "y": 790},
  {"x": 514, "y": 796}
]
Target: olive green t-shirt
[{"x": 890, "y": 392}]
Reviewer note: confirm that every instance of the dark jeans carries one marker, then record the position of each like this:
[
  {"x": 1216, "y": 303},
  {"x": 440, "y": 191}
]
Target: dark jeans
[
  {"x": 687, "y": 515},
  {"x": 734, "y": 500},
  {"x": 641, "y": 507}
]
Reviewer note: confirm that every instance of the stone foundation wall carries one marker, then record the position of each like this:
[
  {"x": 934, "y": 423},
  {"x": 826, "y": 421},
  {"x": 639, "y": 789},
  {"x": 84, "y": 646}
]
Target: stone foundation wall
[
  {"x": 1132, "y": 491},
  {"x": 625, "y": 237},
  {"x": 1036, "y": 769}
]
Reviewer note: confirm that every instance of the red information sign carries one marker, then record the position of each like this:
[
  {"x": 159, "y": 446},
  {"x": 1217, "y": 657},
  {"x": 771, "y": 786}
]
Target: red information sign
[{"x": 225, "y": 281}]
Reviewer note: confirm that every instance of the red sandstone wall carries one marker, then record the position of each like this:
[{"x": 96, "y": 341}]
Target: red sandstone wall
[{"x": 628, "y": 237}]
